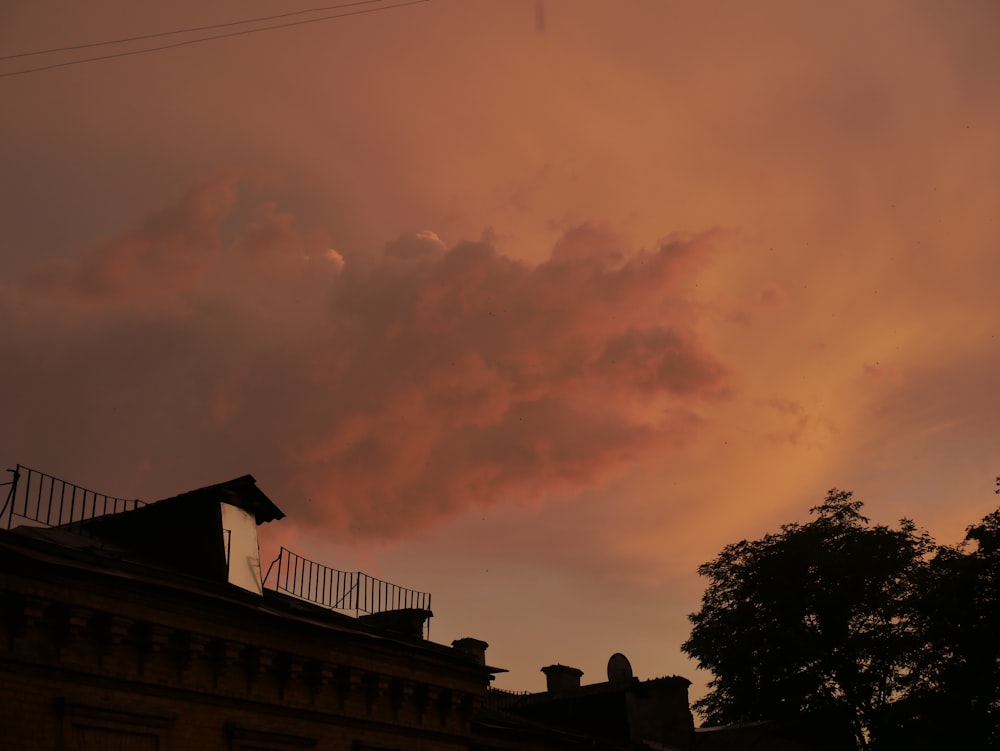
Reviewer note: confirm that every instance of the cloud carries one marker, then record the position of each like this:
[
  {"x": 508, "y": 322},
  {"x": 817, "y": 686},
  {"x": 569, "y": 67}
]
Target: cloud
[
  {"x": 206, "y": 244},
  {"x": 884, "y": 372},
  {"x": 416, "y": 246},
  {"x": 374, "y": 396},
  {"x": 659, "y": 358},
  {"x": 164, "y": 253},
  {"x": 782, "y": 406}
]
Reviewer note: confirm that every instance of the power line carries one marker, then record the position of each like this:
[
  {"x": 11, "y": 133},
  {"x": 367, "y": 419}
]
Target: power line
[
  {"x": 184, "y": 31},
  {"x": 209, "y": 38}
]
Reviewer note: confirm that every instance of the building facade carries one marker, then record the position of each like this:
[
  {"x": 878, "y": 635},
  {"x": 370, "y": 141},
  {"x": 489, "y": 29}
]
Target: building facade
[
  {"x": 147, "y": 627},
  {"x": 124, "y": 632}
]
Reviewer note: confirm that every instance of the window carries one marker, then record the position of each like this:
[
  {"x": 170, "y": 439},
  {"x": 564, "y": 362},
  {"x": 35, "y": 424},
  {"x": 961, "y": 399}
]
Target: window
[{"x": 91, "y": 728}]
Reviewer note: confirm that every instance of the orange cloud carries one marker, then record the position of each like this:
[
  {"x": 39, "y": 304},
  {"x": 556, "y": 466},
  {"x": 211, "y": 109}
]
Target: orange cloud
[
  {"x": 389, "y": 391},
  {"x": 883, "y": 372},
  {"x": 211, "y": 237}
]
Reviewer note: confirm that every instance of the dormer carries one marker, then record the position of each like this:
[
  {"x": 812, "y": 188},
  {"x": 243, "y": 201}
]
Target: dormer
[{"x": 210, "y": 532}]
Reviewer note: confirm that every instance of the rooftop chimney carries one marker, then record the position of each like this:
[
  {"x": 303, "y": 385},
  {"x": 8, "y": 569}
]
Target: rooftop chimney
[
  {"x": 474, "y": 649},
  {"x": 561, "y": 678},
  {"x": 404, "y": 621}
]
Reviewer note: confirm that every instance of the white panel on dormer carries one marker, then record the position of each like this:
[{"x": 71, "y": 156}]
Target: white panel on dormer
[{"x": 239, "y": 535}]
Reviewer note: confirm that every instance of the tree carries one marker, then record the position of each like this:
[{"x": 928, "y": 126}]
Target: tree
[
  {"x": 814, "y": 624},
  {"x": 953, "y": 699}
]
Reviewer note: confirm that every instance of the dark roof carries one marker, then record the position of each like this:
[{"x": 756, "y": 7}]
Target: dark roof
[
  {"x": 241, "y": 492},
  {"x": 155, "y": 530},
  {"x": 502, "y": 724},
  {"x": 112, "y": 566},
  {"x": 607, "y": 687}
]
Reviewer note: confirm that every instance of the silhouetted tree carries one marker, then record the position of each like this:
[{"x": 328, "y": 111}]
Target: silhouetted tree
[
  {"x": 816, "y": 625},
  {"x": 953, "y": 699}
]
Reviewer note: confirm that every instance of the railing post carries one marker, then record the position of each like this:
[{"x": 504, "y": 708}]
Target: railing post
[{"x": 9, "y": 503}]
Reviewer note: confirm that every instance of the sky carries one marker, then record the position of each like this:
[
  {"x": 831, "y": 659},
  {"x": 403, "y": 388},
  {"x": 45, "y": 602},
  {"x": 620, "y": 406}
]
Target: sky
[{"x": 534, "y": 306}]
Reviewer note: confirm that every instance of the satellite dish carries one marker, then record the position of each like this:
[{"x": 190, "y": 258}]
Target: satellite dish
[{"x": 619, "y": 668}]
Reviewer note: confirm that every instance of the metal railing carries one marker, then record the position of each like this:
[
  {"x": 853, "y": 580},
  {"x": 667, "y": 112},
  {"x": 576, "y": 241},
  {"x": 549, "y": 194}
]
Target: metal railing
[
  {"x": 500, "y": 699},
  {"x": 350, "y": 591},
  {"x": 39, "y": 499}
]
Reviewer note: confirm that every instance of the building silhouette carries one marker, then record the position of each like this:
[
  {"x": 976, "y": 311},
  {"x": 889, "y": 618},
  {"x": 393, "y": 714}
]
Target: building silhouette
[{"x": 147, "y": 627}]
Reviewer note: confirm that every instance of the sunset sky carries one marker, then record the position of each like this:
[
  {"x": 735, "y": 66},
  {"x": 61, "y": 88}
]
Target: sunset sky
[{"x": 531, "y": 305}]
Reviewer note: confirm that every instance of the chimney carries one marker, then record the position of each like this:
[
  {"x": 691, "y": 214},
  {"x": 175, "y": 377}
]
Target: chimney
[
  {"x": 474, "y": 649},
  {"x": 404, "y": 621},
  {"x": 561, "y": 678}
]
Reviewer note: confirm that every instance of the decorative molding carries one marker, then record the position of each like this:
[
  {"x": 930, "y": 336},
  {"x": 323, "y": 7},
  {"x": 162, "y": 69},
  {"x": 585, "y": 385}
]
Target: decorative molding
[
  {"x": 242, "y": 738},
  {"x": 344, "y": 679},
  {"x": 283, "y": 667},
  {"x": 371, "y": 689},
  {"x": 421, "y": 697},
  {"x": 118, "y": 648},
  {"x": 445, "y": 698}
]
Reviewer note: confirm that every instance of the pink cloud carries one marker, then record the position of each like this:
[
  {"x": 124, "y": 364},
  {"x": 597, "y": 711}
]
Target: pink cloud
[
  {"x": 770, "y": 298},
  {"x": 884, "y": 372},
  {"x": 384, "y": 392},
  {"x": 211, "y": 237}
]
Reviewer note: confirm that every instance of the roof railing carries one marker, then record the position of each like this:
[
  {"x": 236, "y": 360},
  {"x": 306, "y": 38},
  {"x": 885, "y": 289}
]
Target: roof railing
[
  {"x": 500, "y": 699},
  {"x": 41, "y": 500},
  {"x": 348, "y": 591}
]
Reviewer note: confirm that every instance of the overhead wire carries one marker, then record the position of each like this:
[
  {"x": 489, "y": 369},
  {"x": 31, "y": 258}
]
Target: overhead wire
[
  {"x": 213, "y": 37},
  {"x": 190, "y": 30}
]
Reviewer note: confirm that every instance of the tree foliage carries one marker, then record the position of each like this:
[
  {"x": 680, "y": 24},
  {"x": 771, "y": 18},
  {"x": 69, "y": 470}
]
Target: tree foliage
[
  {"x": 816, "y": 623},
  {"x": 953, "y": 699},
  {"x": 867, "y": 636}
]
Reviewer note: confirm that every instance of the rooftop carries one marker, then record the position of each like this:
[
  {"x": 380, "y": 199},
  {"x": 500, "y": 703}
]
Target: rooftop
[{"x": 208, "y": 533}]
